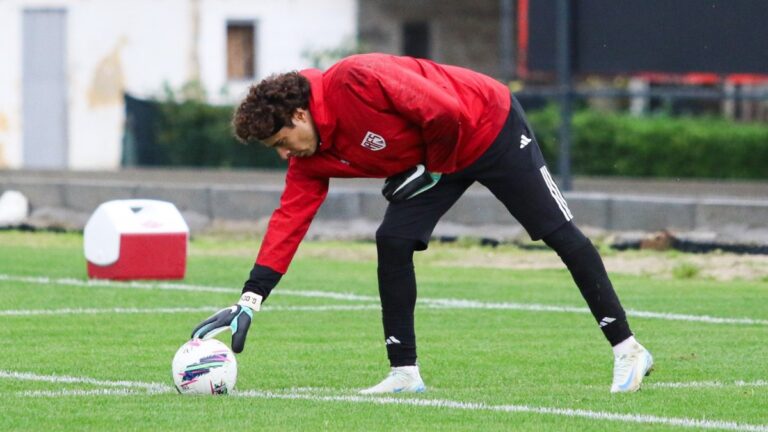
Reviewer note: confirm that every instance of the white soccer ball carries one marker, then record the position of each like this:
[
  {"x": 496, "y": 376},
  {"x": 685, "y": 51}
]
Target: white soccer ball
[{"x": 204, "y": 367}]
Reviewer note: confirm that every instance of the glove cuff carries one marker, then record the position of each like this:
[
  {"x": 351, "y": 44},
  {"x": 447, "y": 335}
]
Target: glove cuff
[
  {"x": 262, "y": 281},
  {"x": 250, "y": 300}
]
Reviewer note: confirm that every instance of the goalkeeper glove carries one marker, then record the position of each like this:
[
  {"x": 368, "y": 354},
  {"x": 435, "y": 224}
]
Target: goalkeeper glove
[
  {"x": 408, "y": 184},
  {"x": 236, "y": 318}
]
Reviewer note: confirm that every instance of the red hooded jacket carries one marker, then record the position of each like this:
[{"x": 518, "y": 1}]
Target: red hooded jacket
[{"x": 378, "y": 115}]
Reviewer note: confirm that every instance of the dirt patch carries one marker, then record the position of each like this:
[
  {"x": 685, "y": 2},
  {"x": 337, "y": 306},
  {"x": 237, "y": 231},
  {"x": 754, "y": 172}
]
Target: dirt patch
[
  {"x": 717, "y": 266},
  {"x": 665, "y": 265}
]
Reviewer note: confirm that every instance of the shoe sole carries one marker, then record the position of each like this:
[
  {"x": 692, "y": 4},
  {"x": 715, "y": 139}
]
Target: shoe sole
[
  {"x": 420, "y": 389},
  {"x": 416, "y": 390}
]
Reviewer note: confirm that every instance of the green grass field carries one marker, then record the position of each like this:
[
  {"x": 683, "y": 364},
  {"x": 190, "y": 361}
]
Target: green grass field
[{"x": 499, "y": 349}]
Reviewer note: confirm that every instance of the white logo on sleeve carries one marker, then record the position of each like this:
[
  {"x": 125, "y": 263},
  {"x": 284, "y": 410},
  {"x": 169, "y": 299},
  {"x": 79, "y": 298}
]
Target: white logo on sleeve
[
  {"x": 605, "y": 321},
  {"x": 524, "y": 141},
  {"x": 373, "y": 142}
]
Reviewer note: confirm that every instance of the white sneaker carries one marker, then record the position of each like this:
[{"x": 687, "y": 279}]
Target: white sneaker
[
  {"x": 630, "y": 368},
  {"x": 402, "y": 379}
]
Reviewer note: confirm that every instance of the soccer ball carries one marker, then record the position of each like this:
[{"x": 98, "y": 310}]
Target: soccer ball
[{"x": 204, "y": 366}]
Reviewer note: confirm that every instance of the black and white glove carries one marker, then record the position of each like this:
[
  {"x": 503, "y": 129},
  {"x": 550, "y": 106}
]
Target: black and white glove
[
  {"x": 409, "y": 183},
  {"x": 236, "y": 318}
]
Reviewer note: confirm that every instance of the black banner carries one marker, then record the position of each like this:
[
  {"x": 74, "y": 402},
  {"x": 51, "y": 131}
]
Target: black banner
[{"x": 668, "y": 36}]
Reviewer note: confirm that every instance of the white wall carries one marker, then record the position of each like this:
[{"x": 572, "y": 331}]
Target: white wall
[
  {"x": 138, "y": 46},
  {"x": 117, "y": 46},
  {"x": 286, "y": 28},
  {"x": 10, "y": 85}
]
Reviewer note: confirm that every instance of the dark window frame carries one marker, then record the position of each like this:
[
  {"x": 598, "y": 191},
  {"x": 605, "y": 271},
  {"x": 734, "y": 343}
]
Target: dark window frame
[{"x": 243, "y": 71}]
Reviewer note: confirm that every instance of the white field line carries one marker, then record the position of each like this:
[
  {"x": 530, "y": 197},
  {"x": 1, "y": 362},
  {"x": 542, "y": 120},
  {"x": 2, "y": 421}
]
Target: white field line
[
  {"x": 161, "y": 310},
  {"x": 707, "y": 384},
  {"x": 26, "y": 376},
  {"x": 127, "y": 388},
  {"x": 698, "y": 318},
  {"x": 98, "y": 392},
  {"x": 433, "y": 302},
  {"x": 564, "y": 412},
  {"x": 64, "y": 379},
  {"x": 471, "y": 304},
  {"x": 94, "y": 311}
]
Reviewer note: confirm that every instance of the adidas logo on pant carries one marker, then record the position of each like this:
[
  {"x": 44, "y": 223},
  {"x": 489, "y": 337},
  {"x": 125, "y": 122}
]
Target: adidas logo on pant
[
  {"x": 524, "y": 141},
  {"x": 392, "y": 340},
  {"x": 605, "y": 321}
]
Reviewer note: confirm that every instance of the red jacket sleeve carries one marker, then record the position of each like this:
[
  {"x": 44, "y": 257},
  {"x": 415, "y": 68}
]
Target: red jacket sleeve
[
  {"x": 430, "y": 105},
  {"x": 299, "y": 203}
]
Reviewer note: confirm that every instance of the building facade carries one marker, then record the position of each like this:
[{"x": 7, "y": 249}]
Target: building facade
[
  {"x": 66, "y": 64},
  {"x": 463, "y": 33}
]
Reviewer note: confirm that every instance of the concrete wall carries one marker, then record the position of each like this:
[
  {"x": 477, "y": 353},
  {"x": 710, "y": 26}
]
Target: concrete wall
[
  {"x": 138, "y": 46},
  {"x": 464, "y": 33},
  {"x": 357, "y": 210}
]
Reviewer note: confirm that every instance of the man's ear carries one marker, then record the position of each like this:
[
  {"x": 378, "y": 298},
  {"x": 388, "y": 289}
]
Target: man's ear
[{"x": 301, "y": 114}]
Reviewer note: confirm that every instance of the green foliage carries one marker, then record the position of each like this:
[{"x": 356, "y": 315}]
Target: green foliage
[
  {"x": 191, "y": 132},
  {"x": 611, "y": 144}
]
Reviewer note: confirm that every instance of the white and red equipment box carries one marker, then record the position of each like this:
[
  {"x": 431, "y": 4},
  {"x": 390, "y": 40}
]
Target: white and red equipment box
[{"x": 136, "y": 239}]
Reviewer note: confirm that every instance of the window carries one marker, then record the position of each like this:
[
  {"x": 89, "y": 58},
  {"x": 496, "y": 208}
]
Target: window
[
  {"x": 241, "y": 50},
  {"x": 416, "y": 39}
]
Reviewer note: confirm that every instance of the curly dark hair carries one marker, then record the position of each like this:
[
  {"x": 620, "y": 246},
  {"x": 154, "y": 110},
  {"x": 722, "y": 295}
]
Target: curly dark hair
[{"x": 270, "y": 105}]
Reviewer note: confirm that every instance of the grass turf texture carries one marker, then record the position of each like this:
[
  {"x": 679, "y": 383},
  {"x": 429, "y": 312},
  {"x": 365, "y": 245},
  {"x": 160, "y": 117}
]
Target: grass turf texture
[{"x": 471, "y": 356}]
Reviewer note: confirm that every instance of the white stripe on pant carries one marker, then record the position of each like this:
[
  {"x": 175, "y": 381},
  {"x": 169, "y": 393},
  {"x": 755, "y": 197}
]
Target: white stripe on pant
[{"x": 555, "y": 192}]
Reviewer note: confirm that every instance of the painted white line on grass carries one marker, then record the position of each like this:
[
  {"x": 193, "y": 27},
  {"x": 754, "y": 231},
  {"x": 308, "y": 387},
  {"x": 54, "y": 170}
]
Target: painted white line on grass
[
  {"x": 471, "y": 406},
  {"x": 697, "y": 318},
  {"x": 433, "y": 302},
  {"x": 64, "y": 379},
  {"x": 112, "y": 284},
  {"x": 326, "y": 294},
  {"x": 174, "y": 287},
  {"x": 97, "y": 392},
  {"x": 161, "y": 310},
  {"x": 471, "y": 304},
  {"x": 707, "y": 384},
  {"x": 94, "y": 311},
  {"x": 418, "y": 402},
  {"x": 320, "y": 308}
]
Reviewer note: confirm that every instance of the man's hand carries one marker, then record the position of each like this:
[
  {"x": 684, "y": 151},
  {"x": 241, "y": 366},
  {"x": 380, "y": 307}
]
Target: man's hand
[
  {"x": 236, "y": 318},
  {"x": 408, "y": 184}
]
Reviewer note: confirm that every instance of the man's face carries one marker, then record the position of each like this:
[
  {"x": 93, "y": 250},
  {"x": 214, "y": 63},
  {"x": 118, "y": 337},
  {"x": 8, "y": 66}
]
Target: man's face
[{"x": 299, "y": 140}]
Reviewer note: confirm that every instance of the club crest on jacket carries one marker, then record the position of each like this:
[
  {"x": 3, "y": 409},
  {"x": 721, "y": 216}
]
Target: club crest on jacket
[{"x": 373, "y": 142}]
